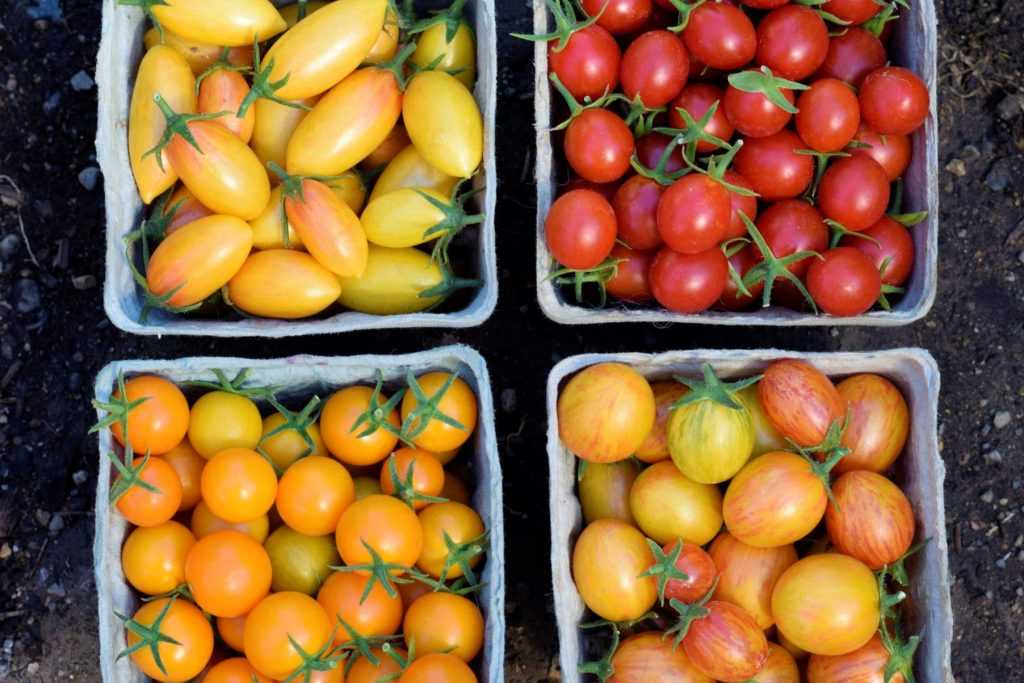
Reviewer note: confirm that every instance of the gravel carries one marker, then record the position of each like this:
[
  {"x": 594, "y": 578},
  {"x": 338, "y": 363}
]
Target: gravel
[
  {"x": 1002, "y": 419},
  {"x": 26, "y": 295}
]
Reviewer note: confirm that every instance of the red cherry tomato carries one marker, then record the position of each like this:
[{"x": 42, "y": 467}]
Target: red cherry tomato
[
  {"x": 773, "y": 167},
  {"x": 619, "y": 16},
  {"x": 829, "y": 115},
  {"x": 891, "y": 151},
  {"x": 589, "y": 64},
  {"x": 790, "y": 226},
  {"x": 738, "y": 203},
  {"x": 650, "y": 147},
  {"x": 699, "y": 568},
  {"x": 721, "y": 36},
  {"x": 694, "y": 213},
  {"x": 606, "y": 190},
  {"x": 852, "y": 11},
  {"x": 893, "y": 100},
  {"x": 792, "y": 41},
  {"x": 742, "y": 261},
  {"x": 800, "y": 401},
  {"x": 844, "y": 282},
  {"x": 580, "y": 229},
  {"x": 598, "y": 145},
  {"x": 636, "y": 210},
  {"x": 696, "y": 99},
  {"x": 764, "y": 4},
  {"x": 753, "y": 114},
  {"x": 892, "y": 250},
  {"x": 688, "y": 283},
  {"x": 631, "y": 282},
  {"x": 852, "y": 55},
  {"x": 854, "y": 191},
  {"x": 727, "y": 644},
  {"x": 654, "y": 68}
]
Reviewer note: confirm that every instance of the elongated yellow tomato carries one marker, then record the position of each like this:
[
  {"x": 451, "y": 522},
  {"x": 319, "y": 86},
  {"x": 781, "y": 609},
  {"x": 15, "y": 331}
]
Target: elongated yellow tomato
[
  {"x": 457, "y": 57},
  {"x": 275, "y": 124},
  {"x": 329, "y": 228},
  {"x": 347, "y": 124},
  {"x": 268, "y": 227},
  {"x": 325, "y": 47},
  {"x": 410, "y": 169},
  {"x": 221, "y": 22},
  {"x": 444, "y": 122},
  {"x": 162, "y": 70},
  {"x": 280, "y": 283},
  {"x": 401, "y": 218},
  {"x": 224, "y": 174},
  {"x": 387, "y": 41},
  {"x": 290, "y": 13},
  {"x": 200, "y": 56},
  {"x": 381, "y": 156},
  {"x": 394, "y": 282},
  {"x": 223, "y": 91},
  {"x": 199, "y": 258}
]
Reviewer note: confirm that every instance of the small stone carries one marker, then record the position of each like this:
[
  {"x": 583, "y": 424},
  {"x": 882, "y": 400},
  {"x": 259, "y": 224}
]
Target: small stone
[
  {"x": 82, "y": 81},
  {"x": 1010, "y": 107},
  {"x": 1002, "y": 419},
  {"x": 56, "y": 590},
  {"x": 32, "y": 669},
  {"x": 5, "y": 551},
  {"x": 43, "y": 517},
  {"x": 80, "y": 477},
  {"x": 998, "y": 178},
  {"x": 988, "y": 496},
  {"x": 88, "y": 177},
  {"x": 83, "y": 282},
  {"x": 56, "y": 523},
  {"x": 993, "y": 457},
  {"x": 508, "y": 400},
  {"x": 969, "y": 153},
  {"x": 957, "y": 167},
  {"x": 9, "y": 246},
  {"x": 26, "y": 295},
  {"x": 52, "y": 103}
]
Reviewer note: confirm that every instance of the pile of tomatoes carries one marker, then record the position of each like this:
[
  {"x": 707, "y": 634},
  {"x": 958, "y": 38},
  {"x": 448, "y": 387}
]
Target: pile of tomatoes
[
  {"x": 331, "y": 544},
  {"x": 301, "y": 158},
  {"x": 723, "y": 516},
  {"x": 733, "y": 154}
]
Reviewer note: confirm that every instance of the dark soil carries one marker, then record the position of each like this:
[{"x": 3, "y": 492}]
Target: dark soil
[{"x": 54, "y": 337}]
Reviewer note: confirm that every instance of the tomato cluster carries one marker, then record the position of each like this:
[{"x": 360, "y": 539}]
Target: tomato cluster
[
  {"x": 302, "y": 158},
  {"x": 722, "y": 152},
  {"x": 331, "y": 544},
  {"x": 722, "y": 515}
]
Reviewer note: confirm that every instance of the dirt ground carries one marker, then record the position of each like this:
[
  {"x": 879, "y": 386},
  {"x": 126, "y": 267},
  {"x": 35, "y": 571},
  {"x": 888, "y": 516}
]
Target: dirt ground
[{"x": 54, "y": 337}]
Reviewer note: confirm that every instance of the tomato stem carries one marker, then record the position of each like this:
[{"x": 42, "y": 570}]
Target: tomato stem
[
  {"x": 603, "y": 668},
  {"x": 772, "y": 267},
  {"x": 689, "y": 613},
  {"x": 449, "y": 285},
  {"x": 685, "y": 10},
  {"x": 451, "y": 17},
  {"x": 321, "y": 660},
  {"x": 641, "y": 118},
  {"x": 224, "y": 64},
  {"x": 427, "y": 408},
  {"x": 455, "y": 219},
  {"x": 262, "y": 87},
  {"x": 575, "y": 107},
  {"x": 376, "y": 415},
  {"x": 379, "y": 572},
  {"x": 299, "y": 423},
  {"x": 177, "y": 124},
  {"x": 713, "y": 389},
  {"x": 149, "y": 636},
  {"x": 694, "y": 132},
  {"x": 767, "y": 84},
  {"x": 664, "y": 567},
  {"x": 397, "y": 65},
  {"x": 566, "y": 24},
  {"x": 461, "y": 554},
  {"x": 599, "y": 275},
  {"x": 147, "y": 7},
  {"x": 404, "y": 488},
  {"x": 360, "y": 644},
  {"x": 822, "y": 160},
  {"x": 118, "y": 408}
]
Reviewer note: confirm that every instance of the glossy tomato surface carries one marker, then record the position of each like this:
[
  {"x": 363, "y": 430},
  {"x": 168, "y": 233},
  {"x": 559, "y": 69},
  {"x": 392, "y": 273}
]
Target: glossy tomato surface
[
  {"x": 872, "y": 519},
  {"x": 598, "y": 145},
  {"x": 864, "y": 665},
  {"x": 854, "y": 191},
  {"x": 894, "y": 100},
  {"x": 747, "y": 574},
  {"x": 607, "y": 562},
  {"x": 631, "y": 281},
  {"x": 580, "y": 229},
  {"x": 791, "y": 226},
  {"x": 619, "y": 16},
  {"x": 668, "y": 506},
  {"x": 654, "y": 68},
  {"x": 792, "y": 41},
  {"x": 852, "y": 55},
  {"x": 829, "y": 115},
  {"x": 696, "y": 99},
  {"x": 753, "y": 114},
  {"x": 588, "y": 65},
  {"x": 721, "y": 36},
  {"x": 891, "y": 151},
  {"x": 694, "y": 214},
  {"x": 844, "y": 282},
  {"x": 800, "y": 401},
  {"x": 727, "y": 644},
  {"x": 649, "y": 657},
  {"x": 879, "y": 423},
  {"x": 773, "y": 167},
  {"x": 688, "y": 283},
  {"x": 655, "y": 446},
  {"x": 636, "y": 211}
]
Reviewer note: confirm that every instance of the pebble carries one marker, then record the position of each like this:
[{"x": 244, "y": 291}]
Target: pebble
[
  {"x": 1002, "y": 419},
  {"x": 5, "y": 551},
  {"x": 75, "y": 381},
  {"x": 957, "y": 167},
  {"x": 998, "y": 178},
  {"x": 1010, "y": 107},
  {"x": 970, "y": 153},
  {"x": 43, "y": 517},
  {"x": 508, "y": 400},
  {"x": 80, "y": 477},
  {"x": 88, "y": 177},
  {"x": 51, "y": 103},
  {"x": 82, "y": 81},
  {"x": 56, "y": 590},
  {"x": 26, "y": 295},
  {"x": 56, "y": 523},
  {"x": 988, "y": 496},
  {"x": 9, "y": 245},
  {"x": 993, "y": 457},
  {"x": 83, "y": 282},
  {"x": 1020, "y": 257},
  {"x": 32, "y": 669}
]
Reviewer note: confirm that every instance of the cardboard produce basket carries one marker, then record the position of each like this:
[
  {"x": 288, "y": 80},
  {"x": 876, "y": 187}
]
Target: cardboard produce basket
[
  {"x": 120, "y": 51},
  {"x": 300, "y": 377},
  {"x": 913, "y": 45},
  {"x": 920, "y": 473}
]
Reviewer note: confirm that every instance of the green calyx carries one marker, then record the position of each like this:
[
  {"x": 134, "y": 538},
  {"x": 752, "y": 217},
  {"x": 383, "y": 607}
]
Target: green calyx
[
  {"x": 150, "y": 637},
  {"x": 821, "y": 161},
  {"x": 887, "y": 289},
  {"x": 771, "y": 268},
  {"x": 461, "y": 555},
  {"x": 831, "y": 451},
  {"x": 664, "y": 567},
  {"x": 117, "y": 409},
  {"x": 461, "y": 586},
  {"x": 769, "y": 85},
  {"x": 566, "y": 24},
  {"x": 685, "y": 9},
  {"x": 177, "y": 124},
  {"x": 376, "y": 414},
  {"x": 901, "y": 649},
  {"x": 576, "y": 108},
  {"x": 827, "y": 16},
  {"x": 713, "y": 389},
  {"x": 448, "y": 285},
  {"x": 262, "y": 87},
  {"x": 603, "y": 667},
  {"x": 324, "y": 659},
  {"x": 359, "y": 645},
  {"x": 688, "y": 613},
  {"x": 695, "y": 131},
  {"x": 387, "y": 574},
  {"x": 234, "y": 385},
  {"x": 299, "y": 423},
  {"x": 889, "y": 12},
  {"x": 660, "y": 173},
  {"x": 222, "y": 64},
  {"x": 292, "y": 187},
  {"x": 397, "y": 65},
  {"x": 427, "y": 408},
  {"x": 598, "y": 275},
  {"x": 455, "y": 218},
  {"x": 404, "y": 489},
  {"x": 641, "y": 118},
  {"x": 147, "y": 7},
  {"x": 839, "y": 231},
  {"x": 129, "y": 475},
  {"x": 450, "y": 17}
]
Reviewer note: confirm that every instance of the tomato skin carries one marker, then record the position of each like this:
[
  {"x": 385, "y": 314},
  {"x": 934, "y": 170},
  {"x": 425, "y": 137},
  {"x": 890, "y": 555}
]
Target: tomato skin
[
  {"x": 739, "y": 203},
  {"x": 792, "y": 41},
  {"x": 153, "y": 558},
  {"x": 894, "y": 100},
  {"x": 598, "y": 145},
  {"x": 388, "y": 149},
  {"x": 299, "y": 562},
  {"x": 329, "y": 229},
  {"x": 827, "y": 604},
  {"x": 696, "y": 99},
  {"x": 337, "y": 419},
  {"x": 844, "y": 282},
  {"x": 282, "y": 283},
  {"x": 393, "y": 283},
  {"x": 378, "y": 615},
  {"x": 444, "y": 122},
  {"x": 791, "y": 226},
  {"x": 588, "y": 66},
  {"x": 275, "y": 623},
  {"x": 200, "y": 56},
  {"x": 747, "y": 574},
  {"x": 188, "y": 465},
  {"x": 866, "y": 664},
  {"x": 159, "y": 423},
  {"x": 607, "y": 562},
  {"x": 401, "y": 218},
  {"x": 649, "y": 657},
  {"x": 183, "y": 623},
  {"x": 854, "y": 191},
  {"x": 224, "y": 90},
  {"x": 457, "y": 54},
  {"x": 287, "y": 445},
  {"x": 438, "y": 668},
  {"x": 460, "y": 522},
  {"x": 764, "y": 4},
  {"x": 605, "y": 412},
  {"x": 228, "y": 573},
  {"x": 667, "y": 505},
  {"x": 688, "y": 283},
  {"x": 697, "y": 565},
  {"x": 654, "y": 68},
  {"x": 651, "y": 147},
  {"x": 410, "y": 169},
  {"x": 852, "y": 11},
  {"x": 829, "y": 115},
  {"x": 892, "y": 152},
  {"x": 199, "y": 258},
  {"x": 151, "y": 508},
  {"x": 219, "y": 420},
  {"x": 753, "y": 114},
  {"x": 387, "y": 524},
  {"x": 232, "y": 632},
  {"x": 459, "y": 403},
  {"x": 721, "y": 36},
  {"x": 726, "y": 644},
  {"x": 872, "y": 519},
  {"x": 631, "y": 281},
  {"x": 879, "y": 423},
  {"x": 710, "y": 442},
  {"x": 275, "y": 125},
  {"x": 852, "y": 55},
  {"x": 313, "y": 493},
  {"x": 188, "y": 209},
  {"x": 800, "y": 401},
  {"x": 239, "y": 485},
  {"x": 427, "y": 473},
  {"x": 766, "y": 436},
  {"x": 234, "y": 670},
  {"x": 604, "y": 490},
  {"x": 655, "y": 446},
  {"x": 780, "y": 667},
  {"x": 694, "y": 214},
  {"x": 621, "y": 16},
  {"x": 221, "y": 22},
  {"x": 580, "y": 229},
  {"x": 773, "y": 167},
  {"x": 203, "y": 523},
  {"x": 364, "y": 671},
  {"x": 445, "y": 622}
]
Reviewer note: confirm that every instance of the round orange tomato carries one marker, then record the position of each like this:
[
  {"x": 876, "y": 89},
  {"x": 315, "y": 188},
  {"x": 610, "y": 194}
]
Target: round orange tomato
[
  {"x": 445, "y": 622},
  {"x": 604, "y": 490},
  {"x": 780, "y": 667},
  {"x": 182, "y": 623},
  {"x": 461, "y": 523},
  {"x": 143, "y": 507},
  {"x": 458, "y": 402},
  {"x": 649, "y": 657},
  {"x": 278, "y": 623},
  {"x": 411, "y": 592},
  {"x": 387, "y": 525},
  {"x": 655, "y": 446},
  {"x": 864, "y": 665},
  {"x": 605, "y": 412},
  {"x": 313, "y": 493},
  {"x": 607, "y": 562},
  {"x": 227, "y": 573},
  {"x": 800, "y": 401},
  {"x": 153, "y": 558},
  {"x": 366, "y": 486},
  {"x": 204, "y": 523},
  {"x": 879, "y": 423},
  {"x": 344, "y": 439},
  {"x": 232, "y": 632},
  {"x": 455, "y": 489},
  {"x": 221, "y": 420},
  {"x": 871, "y": 520},
  {"x": 287, "y": 445},
  {"x": 668, "y": 506},
  {"x": 747, "y": 575},
  {"x": 239, "y": 485},
  {"x": 341, "y": 596},
  {"x": 299, "y": 563},
  {"x": 766, "y": 436},
  {"x": 827, "y": 604},
  {"x": 234, "y": 670},
  {"x": 159, "y": 423},
  {"x": 365, "y": 671},
  {"x": 427, "y": 476},
  {"x": 795, "y": 652},
  {"x": 726, "y": 643},
  {"x": 438, "y": 668},
  {"x": 189, "y": 466}
]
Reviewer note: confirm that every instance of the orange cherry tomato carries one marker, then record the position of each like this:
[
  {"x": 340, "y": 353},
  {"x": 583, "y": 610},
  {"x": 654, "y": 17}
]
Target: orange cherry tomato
[
  {"x": 667, "y": 505},
  {"x": 800, "y": 401},
  {"x": 780, "y": 667},
  {"x": 655, "y": 446},
  {"x": 142, "y": 507},
  {"x": 388, "y": 149},
  {"x": 286, "y": 446},
  {"x": 650, "y": 657},
  {"x": 455, "y": 489},
  {"x": 607, "y": 564},
  {"x": 427, "y": 476},
  {"x": 387, "y": 525},
  {"x": 186, "y": 209},
  {"x": 234, "y": 670},
  {"x": 239, "y": 485},
  {"x": 366, "y": 486},
  {"x": 747, "y": 575},
  {"x": 313, "y": 493},
  {"x": 458, "y": 402},
  {"x": 411, "y": 592},
  {"x": 283, "y": 283},
  {"x": 329, "y": 229},
  {"x": 871, "y": 519},
  {"x": 461, "y": 523},
  {"x": 438, "y": 668},
  {"x": 159, "y": 423},
  {"x": 445, "y": 622},
  {"x": 153, "y": 558},
  {"x": 275, "y": 124},
  {"x": 220, "y": 420},
  {"x": 344, "y": 440},
  {"x": 365, "y": 671},
  {"x": 864, "y": 665},
  {"x": 189, "y": 467},
  {"x": 232, "y": 632},
  {"x": 341, "y": 596},
  {"x": 604, "y": 489},
  {"x": 182, "y": 623},
  {"x": 276, "y": 625},
  {"x": 879, "y": 423},
  {"x": 223, "y": 91},
  {"x": 204, "y": 523},
  {"x": 228, "y": 573}
]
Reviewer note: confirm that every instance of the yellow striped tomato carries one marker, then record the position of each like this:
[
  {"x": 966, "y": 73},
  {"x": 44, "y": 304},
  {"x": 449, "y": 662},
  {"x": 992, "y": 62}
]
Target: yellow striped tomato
[
  {"x": 200, "y": 56},
  {"x": 444, "y": 122},
  {"x": 224, "y": 90},
  {"x": 328, "y": 227},
  {"x": 394, "y": 282},
  {"x": 747, "y": 575},
  {"x": 280, "y": 283},
  {"x": 220, "y": 22},
  {"x": 410, "y": 169},
  {"x": 607, "y": 563}
]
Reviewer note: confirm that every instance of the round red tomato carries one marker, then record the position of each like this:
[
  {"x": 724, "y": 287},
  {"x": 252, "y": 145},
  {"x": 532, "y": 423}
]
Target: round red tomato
[
  {"x": 891, "y": 249},
  {"x": 852, "y": 11},
  {"x": 792, "y": 41},
  {"x": 773, "y": 167},
  {"x": 753, "y": 114},
  {"x": 694, "y": 213},
  {"x": 606, "y": 190},
  {"x": 872, "y": 519},
  {"x": 764, "y": 4},
  {"x": 654, "y": 68},
  {"x": 588, "y": 66},
  {"x": 580, "y": 229},
  {"x": 636, "y": 210},
  {"x": 649, "y": 656},
  {"x": 738, "y": 202},
  {"x": 829, "y": 115},
  {"x": 727, "y": 644},
  {"x": 721, "y": 36},
  {"x": 894, "y": 100},
  {"x": 844, "y": 282},
  {"x": 619, "y": 16},
  {"x": 790, "y": 226},
  {"x": 852, "y": 55},
  {"x": 631, "y": 282},
  {"x": 854, "y": 191},
  {"x": 800, "y": 401},
  {"x": 700, "y": 572},
  {"x": 891, "y": 151},
  {"x": 742, "y": 261},
  {"x": 688, "y": 283},
  {"x": 696, "y": 99},
  {"x": 598, "y": 145},
  {"x": 651, "y": 147}
]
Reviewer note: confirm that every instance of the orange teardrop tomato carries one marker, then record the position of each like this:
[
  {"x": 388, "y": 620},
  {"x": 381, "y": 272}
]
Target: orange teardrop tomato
[
  {"x": 347, "y": 124},
  {"x": 766, "y": 436},
  {"x": 223, "y": 91},
  {"x": 341, "y": 596},
  {"x": 604, "y": 490},
  {"x": 774, "y": 500},
  {"x": 190, "y": 632},
  {"x": 455, "y": 489},
  {"x": 203, "y": 523},
  {"x": 239, "y": 485},
  {"x": 275, "y": 124},
  {"x": 153, "y": 558},
  {"x": 427, "y": 476},
  {"x": 142, "y": 507},
  {"x": 228, "y": 573},
  {"x": 386, "y": 45},
  {"x": 458, "y": 402},
  {"x": 199, "y": 258},
  {"x": 221, "y": 22},
  {"x": 329, "y": 229},
  {"x": 445, "y": 622},
  {"x": 605, "y": 412},
  {"x": 344, "y": 439},
  {"x": 780, "y": 667},
  {"x": 286, "y": 446},
  {"x": 234, "y": 670},
  {"x": 232, "y": 632},
  {"x": 220, "y": 420},
  {"x": 365, "y": 671},
  {"x": 871, "y": 519},
  {"x": 667, "y": 505},
  {"x": 655, "y": 446},
  {"x": 444, "y": 122},
  {"x": 186, "y": 209},
  {"x": 200, "y": 56},
  {"x": 747, "y": 575},
  {"x": 325, "y": 47},
  {"x": 188, "y": 465},
  {"x": 279, "y": 623},
  {"x": 827, "y": 604},
  {"x": 800, "y": 401},
  {"x": 607, "y": 564},
  {"x": 462, "y": 525},
  {"x": 726, "y": 644},
  {"x": 388, "y": 149},
  {"x": 649, "y": 657},
  {"x": 879, "y": 423},
  {"x": 410, "y": 170},
  {"x": 864, "y": 665},
  {"x": 285, "y": 284},
  {"x": 438, "y": 668},
  {"x": 313, "y": 493},
  {"x": 162, "y": 70},
  {"x": 268, "y": 227},
  {"x": 387, "y": 525},
  {"x": 456, "y": 56},
  {"x": 159, "y": 423},
  {"x": 366, "y": 486}
]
